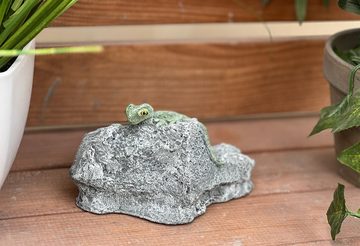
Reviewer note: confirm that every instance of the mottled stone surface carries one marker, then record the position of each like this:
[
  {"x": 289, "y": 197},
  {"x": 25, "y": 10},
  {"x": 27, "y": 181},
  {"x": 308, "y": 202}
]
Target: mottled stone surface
[{"x": 160, "y": 173}]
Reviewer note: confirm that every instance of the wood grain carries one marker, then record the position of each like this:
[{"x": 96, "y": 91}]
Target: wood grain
[
  {"x": 297, "y": 220},
  {"x": 275, "y": 219},
  {"x": 120, "y": 12},
  {"x": 56, "y": 149},
  {"x": 33, "y": 193},
  {"x": 293, "y": 189},
  {"x": 209, "y": 81}
]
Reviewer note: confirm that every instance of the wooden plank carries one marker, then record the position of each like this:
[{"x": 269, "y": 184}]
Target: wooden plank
[
  {"x": 271, "y": 220},
  {"x": 47, "y": 150},
  {"x": 52, "y": 191},
  {"x": 192, "y": 33},
  {"x": 120, "y": 12},
  {"x": 209, "y": 81},
  {"x": 292, "y": 192},
  {"x": 54, "y": 149}
]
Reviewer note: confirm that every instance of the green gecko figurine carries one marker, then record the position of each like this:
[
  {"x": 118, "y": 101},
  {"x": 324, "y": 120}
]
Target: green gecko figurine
[{"x": 139, "y": 113}]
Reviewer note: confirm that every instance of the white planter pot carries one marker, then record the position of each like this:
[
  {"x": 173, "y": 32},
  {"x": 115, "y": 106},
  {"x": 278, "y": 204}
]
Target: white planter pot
[{"x": 15, "y": 93}]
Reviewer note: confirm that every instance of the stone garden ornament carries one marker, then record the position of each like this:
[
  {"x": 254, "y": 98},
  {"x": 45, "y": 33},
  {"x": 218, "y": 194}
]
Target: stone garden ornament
[{"x": 160, "y": 167}]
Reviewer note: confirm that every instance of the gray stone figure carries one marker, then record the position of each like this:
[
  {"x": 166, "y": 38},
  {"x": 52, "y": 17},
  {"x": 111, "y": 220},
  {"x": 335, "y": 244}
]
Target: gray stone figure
[{"x": 160, "y": 167}]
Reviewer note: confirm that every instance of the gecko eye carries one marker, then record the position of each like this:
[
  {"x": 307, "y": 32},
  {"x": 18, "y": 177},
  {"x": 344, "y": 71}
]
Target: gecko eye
[{"x": 143, "y": 112}]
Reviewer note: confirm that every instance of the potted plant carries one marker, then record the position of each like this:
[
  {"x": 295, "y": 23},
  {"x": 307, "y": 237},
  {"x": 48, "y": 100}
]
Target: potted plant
[
  {"x": 20, "y": 22},
  {"x": 341, "y": 62}
]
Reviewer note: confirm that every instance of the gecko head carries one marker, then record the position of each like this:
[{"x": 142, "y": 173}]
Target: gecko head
[{"x": 138, "y": 113}]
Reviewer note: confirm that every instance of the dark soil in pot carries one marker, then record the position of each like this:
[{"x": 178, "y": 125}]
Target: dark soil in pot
[{"x": 337, "y": 72}]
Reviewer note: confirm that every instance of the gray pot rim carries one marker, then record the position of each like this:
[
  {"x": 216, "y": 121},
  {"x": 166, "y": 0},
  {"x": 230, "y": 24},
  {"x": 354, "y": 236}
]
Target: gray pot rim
[
  {"x": 329, "y": 47},
  {"x": 329, "y": 51}
]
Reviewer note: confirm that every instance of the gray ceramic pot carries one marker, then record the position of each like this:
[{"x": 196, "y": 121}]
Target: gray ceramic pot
[{"x": 337, "y": 72}]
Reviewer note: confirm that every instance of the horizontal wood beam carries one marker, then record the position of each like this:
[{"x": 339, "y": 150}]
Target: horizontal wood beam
[
  {"x": 192, "y": 33},
  {"x": 125, "y": 12},
  {"x": 208, "y": 81}
]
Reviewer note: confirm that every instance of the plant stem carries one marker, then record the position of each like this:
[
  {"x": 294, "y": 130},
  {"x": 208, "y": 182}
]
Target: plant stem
[
  {"x": 356, "y": 215},
  {"x": 352, "y": 78}
]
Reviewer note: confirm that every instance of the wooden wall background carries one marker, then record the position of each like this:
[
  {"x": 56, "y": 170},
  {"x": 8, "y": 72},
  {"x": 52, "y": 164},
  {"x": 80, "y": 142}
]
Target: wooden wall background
[{"x": 209, "y": 80}]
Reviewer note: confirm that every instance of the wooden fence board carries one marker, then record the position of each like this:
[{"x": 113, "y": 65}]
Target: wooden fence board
[
  {"x": 209, "y": 81},
  {"x": 120, "y": 12}
]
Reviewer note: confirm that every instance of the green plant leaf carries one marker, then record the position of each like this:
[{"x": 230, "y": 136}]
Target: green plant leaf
[
  {"x": 350, "y": 5},
  {"x": 343, "y": 115},
  {"x": 4, "y": 8},
  {"x": 337, "y": 211},
  {"x": 351, "y": 157},
  {"x": 300, "y": 10},
  {"x": 329, "y": 116},
  {"x": 43, "y": 15},
  {"x": 16, "y": 4},
  {"x": 16, "y": 19},
  {"x": 350, "y": 114}
]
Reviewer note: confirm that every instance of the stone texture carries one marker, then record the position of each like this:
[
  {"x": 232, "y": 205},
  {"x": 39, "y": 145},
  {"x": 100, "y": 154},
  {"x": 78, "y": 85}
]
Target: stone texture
[{"x": 163, "y": 174}]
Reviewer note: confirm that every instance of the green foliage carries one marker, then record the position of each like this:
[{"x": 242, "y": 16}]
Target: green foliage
[
  {"x": 337, "y": 211},
  {"x": 352, "y": 6},
  {"x": 351, "y": 56},
  {"x": 22, "y": 20},
  {"x": 339, "y": 117},
  {"x": 300, "y": 10},
  {"x": 329, "y": 116},
  {"x": 351, "y": 157},
  {"x": 343, "y": 115}
]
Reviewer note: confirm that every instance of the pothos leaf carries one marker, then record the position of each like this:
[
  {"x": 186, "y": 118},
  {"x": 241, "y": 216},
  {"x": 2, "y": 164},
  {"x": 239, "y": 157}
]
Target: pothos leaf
[
  {"x": 350, "y": 5},
  {"x": 329, "y": 116},
  {"x": 350, "y": 116},
  {"x": 343, "y": 115},
  {"x": 351, "y": 157},
  {"x": 337, "y": 211}
]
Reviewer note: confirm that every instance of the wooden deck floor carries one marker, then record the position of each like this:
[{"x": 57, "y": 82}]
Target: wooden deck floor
[{"x": 294, "y": 181}]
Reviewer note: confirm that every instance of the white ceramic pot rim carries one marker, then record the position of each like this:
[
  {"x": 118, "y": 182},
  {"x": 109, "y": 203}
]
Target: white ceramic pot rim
[{"x": 17, "y": 63}]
